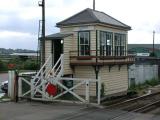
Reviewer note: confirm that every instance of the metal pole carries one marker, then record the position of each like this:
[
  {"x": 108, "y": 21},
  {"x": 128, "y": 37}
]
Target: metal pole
[
  {"x": 42, "y": 46},
  {"x": 93, "y": 4},
  {"x": 43, "y": 31},
  {"x": 153, "y": 42}
]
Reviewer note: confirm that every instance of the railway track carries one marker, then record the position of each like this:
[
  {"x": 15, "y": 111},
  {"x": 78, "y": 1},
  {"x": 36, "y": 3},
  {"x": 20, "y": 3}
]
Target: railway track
[{"x": 142, "y": 104}]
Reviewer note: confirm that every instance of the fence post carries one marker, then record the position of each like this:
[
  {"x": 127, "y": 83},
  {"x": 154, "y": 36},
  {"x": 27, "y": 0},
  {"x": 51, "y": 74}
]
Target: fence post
[
  {"x": 20, "y": 87},
  {"x": 87, "y": 91},
  {"x": 11, "y": 83},
  {"x": 32, "y": 88},
  {"x": 99, "y": 91},
  {"x": 62, "y": 64}
]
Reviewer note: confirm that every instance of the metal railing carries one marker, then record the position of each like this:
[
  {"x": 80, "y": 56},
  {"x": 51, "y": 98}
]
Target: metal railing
[
  {"x": 101, "y": 57},
  {"x": 104, "y": 53}
]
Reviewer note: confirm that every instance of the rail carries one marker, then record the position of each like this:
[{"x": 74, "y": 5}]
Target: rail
[
  {"x": 99, "y": 57},
  {"x": 141, "y": 104}
]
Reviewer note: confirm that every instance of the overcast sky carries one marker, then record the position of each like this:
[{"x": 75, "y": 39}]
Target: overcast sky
[{"x": 19, "y": 19}]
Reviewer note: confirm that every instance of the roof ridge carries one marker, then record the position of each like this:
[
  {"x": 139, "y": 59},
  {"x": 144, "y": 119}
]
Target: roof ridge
[{"x": 92, "y": 14}]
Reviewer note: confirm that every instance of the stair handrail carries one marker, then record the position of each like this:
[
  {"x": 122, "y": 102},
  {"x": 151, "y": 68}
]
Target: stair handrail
[
  {"x": 40, "y": 71},
  {"x": 60, "y": 66}
]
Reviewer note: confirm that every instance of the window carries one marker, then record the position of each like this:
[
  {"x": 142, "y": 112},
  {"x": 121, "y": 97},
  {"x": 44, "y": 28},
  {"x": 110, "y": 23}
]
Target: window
[
  {"x": 106, "y": 43},
  {"x": 84, "y": 43},
  {"x": 120, "y": 44}
]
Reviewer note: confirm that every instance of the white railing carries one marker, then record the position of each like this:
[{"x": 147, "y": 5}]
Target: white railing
[
  {"x": 44, "y": 77},
  {"x": 48, "y": 75},
  {"x": 44, "y": 69},
  {"x": 58, "y": 70}
]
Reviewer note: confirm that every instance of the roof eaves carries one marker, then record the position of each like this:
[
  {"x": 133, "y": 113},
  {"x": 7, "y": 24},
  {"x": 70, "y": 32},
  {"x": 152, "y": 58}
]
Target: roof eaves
[
  {"x": 117, "y": 26},
  {"x": 125, "y": 26}
]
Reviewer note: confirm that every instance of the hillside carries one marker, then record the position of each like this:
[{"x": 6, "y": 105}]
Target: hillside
[{"x": 4, "y": 51}]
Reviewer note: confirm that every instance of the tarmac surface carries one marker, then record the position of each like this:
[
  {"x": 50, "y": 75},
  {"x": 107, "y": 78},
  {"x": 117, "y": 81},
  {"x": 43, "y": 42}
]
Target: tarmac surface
[
  {"x": 64, "y": 111},
  {"x": 3, "y": 77}
]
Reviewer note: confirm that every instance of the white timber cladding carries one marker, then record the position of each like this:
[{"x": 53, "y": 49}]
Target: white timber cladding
[
  {"x": 48, "y": 45},
  {"x": 68, "y": 46},
  {"x": 75, "y": 31},
  {"x": 115, "y": 80},
  {"x": 85, "y": 72}
]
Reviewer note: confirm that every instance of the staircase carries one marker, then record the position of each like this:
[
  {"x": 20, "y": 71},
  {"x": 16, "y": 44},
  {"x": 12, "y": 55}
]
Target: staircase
[{"x": 45, "y": 76}]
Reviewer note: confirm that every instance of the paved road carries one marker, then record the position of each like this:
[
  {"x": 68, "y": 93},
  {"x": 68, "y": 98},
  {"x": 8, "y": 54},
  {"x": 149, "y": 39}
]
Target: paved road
[
  {"x": 59, "y": 111},
  {"x": 3, "y": 77}
]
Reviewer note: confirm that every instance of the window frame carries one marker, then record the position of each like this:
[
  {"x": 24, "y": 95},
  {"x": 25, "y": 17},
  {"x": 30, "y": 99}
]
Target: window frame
[
  {"x": 120, "y": 46},
  {"x": 79, "y": 44},
  {"x": 107, "y": 46}
]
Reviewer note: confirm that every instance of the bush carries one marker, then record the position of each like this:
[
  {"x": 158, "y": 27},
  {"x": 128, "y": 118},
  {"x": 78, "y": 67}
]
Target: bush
[
  {"x": 145, "y": 85},
  {"x": 30, "y": 65},
  {"x": 3, "y": 66}
]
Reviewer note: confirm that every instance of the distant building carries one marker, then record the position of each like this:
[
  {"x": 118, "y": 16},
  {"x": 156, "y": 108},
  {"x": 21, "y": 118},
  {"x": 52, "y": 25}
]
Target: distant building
[
  {"x": 25, "y": 55},
  {"x": 144, "y": 50},
  {"x": 146, "y": 66}
]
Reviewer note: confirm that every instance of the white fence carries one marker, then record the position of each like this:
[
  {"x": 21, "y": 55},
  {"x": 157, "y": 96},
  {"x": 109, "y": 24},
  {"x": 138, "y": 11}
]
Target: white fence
[{"x": 43, "y": 95}]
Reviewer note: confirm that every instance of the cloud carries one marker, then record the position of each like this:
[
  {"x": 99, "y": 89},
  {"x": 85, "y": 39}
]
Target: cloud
[
  {"x": 19, "y": 18},
  {"x": 12, "y": 39}
]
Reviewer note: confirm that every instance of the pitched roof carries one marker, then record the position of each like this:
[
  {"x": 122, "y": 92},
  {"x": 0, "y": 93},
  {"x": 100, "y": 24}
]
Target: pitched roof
[
  {"x": 92, "y": 16},
  {"x": 57, "y": 36}
]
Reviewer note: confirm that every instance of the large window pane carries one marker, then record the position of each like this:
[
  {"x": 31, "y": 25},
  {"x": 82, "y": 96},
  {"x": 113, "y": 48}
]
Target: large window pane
[
  {"x": 120, "y": 44},
  {"x": 106, "y": 43},
  {"x": 84, "y": 43}
]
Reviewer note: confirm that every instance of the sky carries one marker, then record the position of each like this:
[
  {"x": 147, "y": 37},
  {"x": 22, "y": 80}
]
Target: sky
[{"x": 19, "y": 19}]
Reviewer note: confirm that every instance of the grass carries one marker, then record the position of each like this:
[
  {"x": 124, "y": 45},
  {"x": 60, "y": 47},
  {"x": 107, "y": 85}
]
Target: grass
[{"x": 142, "y": 87}]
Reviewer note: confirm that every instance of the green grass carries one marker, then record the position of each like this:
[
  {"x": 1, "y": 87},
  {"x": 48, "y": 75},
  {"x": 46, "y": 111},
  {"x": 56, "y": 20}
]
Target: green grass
[{"x": 141, "y": 87}]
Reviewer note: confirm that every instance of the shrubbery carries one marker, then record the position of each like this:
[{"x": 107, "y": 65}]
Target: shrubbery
[
  {"x": 19, "y": 64},
  {"x": 30, "y": 65},
  {"x": 145, "y": 85},
  {"x": 3, "y": 66}
]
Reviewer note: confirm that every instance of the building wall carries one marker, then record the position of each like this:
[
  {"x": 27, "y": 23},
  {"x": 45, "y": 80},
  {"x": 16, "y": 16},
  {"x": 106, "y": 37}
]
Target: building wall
[
  {"x": 85, "y": 72},
  {"x": 141, "y": 73},
  {"x": 68, "y": 44},
  {"x": 115, "y": 80},
  {"x": 92, "y": 29},
  {"x": 48, "y": 49},
  {"x": 75, "y": 30}
]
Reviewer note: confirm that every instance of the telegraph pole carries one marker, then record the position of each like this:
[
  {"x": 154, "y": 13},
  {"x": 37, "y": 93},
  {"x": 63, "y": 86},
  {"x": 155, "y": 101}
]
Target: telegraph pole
[
  {"x": 153, "y": 42},
  {"x": 42, "y": 46}
]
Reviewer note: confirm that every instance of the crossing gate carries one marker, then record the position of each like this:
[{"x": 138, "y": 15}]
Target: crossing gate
[
  {"x": 47, "y": 84},
  {"x": 40, "y": 92}
]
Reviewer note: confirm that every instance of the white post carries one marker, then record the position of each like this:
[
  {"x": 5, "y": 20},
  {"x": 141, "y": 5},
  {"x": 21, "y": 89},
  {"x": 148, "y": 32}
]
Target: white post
[
  {"x": 32, "y": 88},
  {"x": 99, "y": 91},
  {"x": 43, "y": 88},
  {"x": 11, "y": 84},
  {"x": 87, "y": 91},
  {"x": 20, "y": 87},
  {"x": 62, "y": 64}
]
